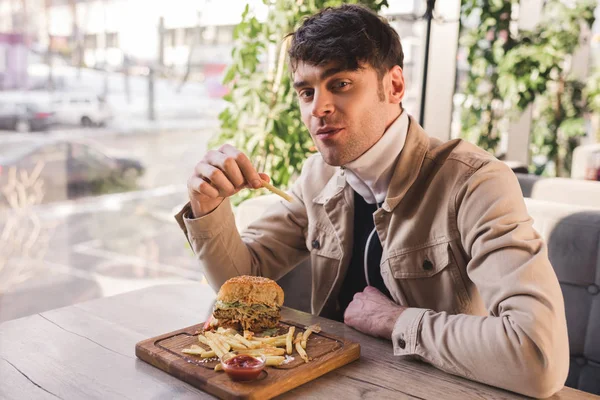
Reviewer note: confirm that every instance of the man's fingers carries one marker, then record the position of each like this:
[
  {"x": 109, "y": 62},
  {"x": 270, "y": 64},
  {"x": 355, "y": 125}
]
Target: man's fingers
[
  {"x": 228, "y": 165},
  {"x": 199, "y": 185},
  {"x": 264, "y": 177},
  {"x": 216, "y": 178},
  {"x": 248, "y": 171}
]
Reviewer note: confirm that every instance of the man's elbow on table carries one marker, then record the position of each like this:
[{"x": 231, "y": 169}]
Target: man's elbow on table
[
  {"x": 544, "y": 373},
  {"x": 544, "y": 381}
]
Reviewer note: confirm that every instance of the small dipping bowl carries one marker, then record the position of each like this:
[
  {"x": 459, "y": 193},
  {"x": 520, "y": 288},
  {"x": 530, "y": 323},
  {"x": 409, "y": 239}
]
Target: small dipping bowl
[{"x": 242, "y": 367}]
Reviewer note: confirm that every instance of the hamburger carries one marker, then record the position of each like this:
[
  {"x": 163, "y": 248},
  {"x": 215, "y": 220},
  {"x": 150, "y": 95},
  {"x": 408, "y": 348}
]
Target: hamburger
[{"x": 249, "y": 303}]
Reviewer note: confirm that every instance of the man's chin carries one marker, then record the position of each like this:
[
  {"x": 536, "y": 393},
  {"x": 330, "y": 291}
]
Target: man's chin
[{"x": 332, "y": 159}]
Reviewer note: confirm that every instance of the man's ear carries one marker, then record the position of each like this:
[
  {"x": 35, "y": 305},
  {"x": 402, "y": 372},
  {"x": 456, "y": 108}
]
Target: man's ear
[{"x": 397, "y": 87}]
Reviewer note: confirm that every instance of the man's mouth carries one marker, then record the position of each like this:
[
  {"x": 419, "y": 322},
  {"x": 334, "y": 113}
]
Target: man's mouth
[{"x": 326, "y": 132}]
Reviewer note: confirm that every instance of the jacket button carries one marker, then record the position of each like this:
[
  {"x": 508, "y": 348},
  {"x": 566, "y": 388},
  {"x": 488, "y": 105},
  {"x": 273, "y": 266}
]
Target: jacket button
[
  {"x": 427, "y": 265},
  {"x": 401, "y": 343},
  {"x": 316, "y": 244}
]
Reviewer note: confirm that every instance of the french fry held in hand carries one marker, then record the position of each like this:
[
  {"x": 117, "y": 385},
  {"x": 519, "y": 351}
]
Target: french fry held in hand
[
  {"x": 289, "y": 337},
  {"x": 299, "y": 348},
  {"x": 278, "y": 192}
]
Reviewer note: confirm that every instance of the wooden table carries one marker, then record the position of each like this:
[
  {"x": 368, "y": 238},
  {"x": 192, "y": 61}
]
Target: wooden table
[{"x": 86, "y": 351}]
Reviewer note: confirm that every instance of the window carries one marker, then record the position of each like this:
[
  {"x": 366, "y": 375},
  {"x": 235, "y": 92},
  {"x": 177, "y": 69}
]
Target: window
[
  {"x": 112, "y": 40},
  {"x": 90, "y": 41}
]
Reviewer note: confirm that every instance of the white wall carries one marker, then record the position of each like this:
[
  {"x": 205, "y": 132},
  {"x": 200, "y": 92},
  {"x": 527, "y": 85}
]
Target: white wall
[{"x": 442, "y": 70}]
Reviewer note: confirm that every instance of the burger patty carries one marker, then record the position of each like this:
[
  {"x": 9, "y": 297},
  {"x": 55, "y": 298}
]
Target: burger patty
[{"x": 248, "y": 318}]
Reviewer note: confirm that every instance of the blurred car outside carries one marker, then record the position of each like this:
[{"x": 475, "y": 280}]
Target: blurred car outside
[
  {"x": 85, "y": 109},
  {"x": 35, "y": 171},
  {"x": 25, "y": 114}
]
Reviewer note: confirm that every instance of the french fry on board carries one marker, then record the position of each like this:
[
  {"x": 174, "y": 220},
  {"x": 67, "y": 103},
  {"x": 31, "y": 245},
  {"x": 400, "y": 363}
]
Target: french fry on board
[
  {"x": 234, "y": 343},
  {"x": 245, "y": 341},
  {"x": 278, "y": 192},
  {"x": 202, "y": 339},
  {"x": 305, "y": 336},
  {"x": 196, "y": 352},
  {"x": 218, "y": 367},
  {"x": 289, "y": 337},
  {"x": 225, "y": 347},
  {"x": 215, "y": 347},
  {"x": 265, "y": 352},
  {"x": 299, "y": 348},
  {"x": 270, "y": 338},
  {"x": 273, "y": 361},
  {"x": 209, "y": 354},
  {"x": 272, "y": 342}
]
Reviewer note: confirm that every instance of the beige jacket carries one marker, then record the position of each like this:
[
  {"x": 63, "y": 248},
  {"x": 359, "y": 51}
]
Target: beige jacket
[{"x": 459, "y": 250}]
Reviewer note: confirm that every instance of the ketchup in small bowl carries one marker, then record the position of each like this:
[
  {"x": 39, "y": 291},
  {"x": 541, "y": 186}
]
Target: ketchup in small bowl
[{"x": 242, "y": 367}]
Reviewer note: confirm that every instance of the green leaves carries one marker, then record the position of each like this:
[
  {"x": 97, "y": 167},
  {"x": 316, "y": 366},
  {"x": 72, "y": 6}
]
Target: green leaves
[
  {"x": 262, "y": 117},
  {"x": 523, "y": 69}
]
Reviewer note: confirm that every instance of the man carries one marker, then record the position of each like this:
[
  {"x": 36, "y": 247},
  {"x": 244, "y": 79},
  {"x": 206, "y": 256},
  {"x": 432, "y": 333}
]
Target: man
[{"x": 425, "y": 243}]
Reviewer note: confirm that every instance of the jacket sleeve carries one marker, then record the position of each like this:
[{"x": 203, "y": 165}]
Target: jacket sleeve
[
  {"x": 270, "y": 247},
  {"x": 522, "y": 344}
]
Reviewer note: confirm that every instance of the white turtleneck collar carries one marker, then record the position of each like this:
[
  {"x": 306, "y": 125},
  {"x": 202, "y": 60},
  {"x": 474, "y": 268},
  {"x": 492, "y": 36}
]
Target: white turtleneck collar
[{"x": 370, "y": 174}]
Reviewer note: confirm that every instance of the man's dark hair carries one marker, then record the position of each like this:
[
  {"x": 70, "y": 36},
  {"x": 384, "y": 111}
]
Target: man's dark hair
[{"x": 347, "y": 35}]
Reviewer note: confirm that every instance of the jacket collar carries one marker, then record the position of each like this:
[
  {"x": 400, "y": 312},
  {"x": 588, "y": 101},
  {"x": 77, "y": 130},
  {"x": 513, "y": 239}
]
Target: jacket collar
[
  {"x": 408, "y": 166},
  {"x": 405, "y": 173},
  {"x": 334, "y": 186}
]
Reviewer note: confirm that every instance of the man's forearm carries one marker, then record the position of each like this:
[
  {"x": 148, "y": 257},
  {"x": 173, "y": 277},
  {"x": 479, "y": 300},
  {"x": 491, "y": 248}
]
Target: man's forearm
[
  {"x": 216, "y": 243},
  {"x": 508, "y": 351},
  {"x": 271, "y": 246}
]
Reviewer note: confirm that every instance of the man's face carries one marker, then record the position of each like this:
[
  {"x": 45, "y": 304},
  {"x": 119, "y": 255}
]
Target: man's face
[{"x": 345, "y": 111}]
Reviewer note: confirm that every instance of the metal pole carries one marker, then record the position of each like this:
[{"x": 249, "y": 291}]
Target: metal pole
[
  {"x": 429, "y": 16},
  {"x": 106, "y": 73},
  {"x": 151, "y": 115}
]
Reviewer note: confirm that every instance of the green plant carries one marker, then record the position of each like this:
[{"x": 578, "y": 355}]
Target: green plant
[
  {"x": 592, "y": 98},
  {"x": 483, "y": 114},
  {"x": 262, "y": 117},
  {"x": 511, "y": 70},
  {"x": 537, "y": 71}
]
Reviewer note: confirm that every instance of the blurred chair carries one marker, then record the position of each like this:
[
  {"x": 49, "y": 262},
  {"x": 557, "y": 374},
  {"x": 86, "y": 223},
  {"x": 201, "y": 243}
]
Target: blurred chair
[
  {"x": 567, "y": 191},
  {"x": 517, "y": 167},
  {"x": 582, "y": 157},
  {"x": 527, "y": 181},
  {"x": 573, "y": 237}
]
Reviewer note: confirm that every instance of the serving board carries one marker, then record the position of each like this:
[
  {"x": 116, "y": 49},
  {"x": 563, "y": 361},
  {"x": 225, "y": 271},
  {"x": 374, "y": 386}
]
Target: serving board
[{"x": 327, "y": 352}]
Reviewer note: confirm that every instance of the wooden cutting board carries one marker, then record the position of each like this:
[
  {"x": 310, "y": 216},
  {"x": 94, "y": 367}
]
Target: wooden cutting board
[{"x": 327, "y": 352}]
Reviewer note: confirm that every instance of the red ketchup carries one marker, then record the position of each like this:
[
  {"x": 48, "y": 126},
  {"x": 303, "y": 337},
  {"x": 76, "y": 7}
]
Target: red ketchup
[{"x": 243, "y": 367}]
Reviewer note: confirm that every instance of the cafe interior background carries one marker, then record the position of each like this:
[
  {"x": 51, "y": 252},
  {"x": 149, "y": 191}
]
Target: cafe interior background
[{"x": 107, "y": 105}]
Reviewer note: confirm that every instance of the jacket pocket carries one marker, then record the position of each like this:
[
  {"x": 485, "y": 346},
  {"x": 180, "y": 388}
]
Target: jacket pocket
[
  {"x": 428, "y": 278},
  {"x": 323, "y": 243}
]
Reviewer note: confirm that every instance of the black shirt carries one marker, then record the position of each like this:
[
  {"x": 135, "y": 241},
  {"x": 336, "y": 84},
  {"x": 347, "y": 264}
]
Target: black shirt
[{"x": 355, "y": 281}]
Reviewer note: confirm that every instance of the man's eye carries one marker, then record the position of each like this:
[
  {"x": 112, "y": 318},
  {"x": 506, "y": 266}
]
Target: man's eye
[
  {"x": 306, "y": 94},
  {"x": 341, "y": 85}
]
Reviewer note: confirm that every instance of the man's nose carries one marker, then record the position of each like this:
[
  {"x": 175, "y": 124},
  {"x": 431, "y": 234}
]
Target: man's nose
[{"x": 322, "y": 105}]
